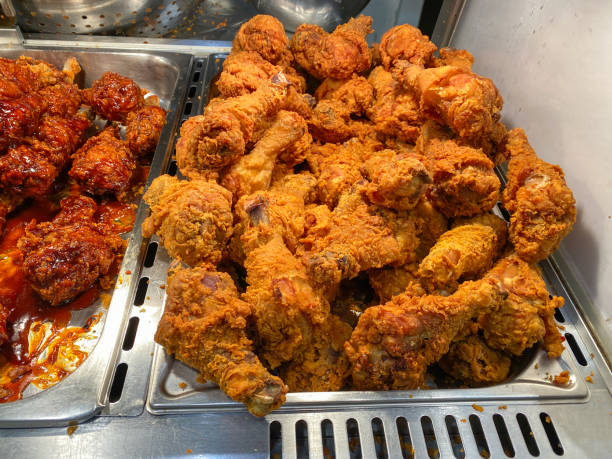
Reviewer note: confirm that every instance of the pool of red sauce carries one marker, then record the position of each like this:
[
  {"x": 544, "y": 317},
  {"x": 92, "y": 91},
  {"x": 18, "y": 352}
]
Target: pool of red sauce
[{"x": 38, "y": 333}]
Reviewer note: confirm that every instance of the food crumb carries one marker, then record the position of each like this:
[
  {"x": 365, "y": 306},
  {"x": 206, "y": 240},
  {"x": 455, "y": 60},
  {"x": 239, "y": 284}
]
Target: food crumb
[
  {"x": 477, "y": 407},
  {"x": 536, "y": 366},
  {"x": 182, "y": 385},
  {"x": 70, "y": 430},
  {"x": 410, "y": 396},
  {"x": 547, "y": 419},
  {"x": 502, "y": 407},
  {"x": 128, "y": 272},
  {"x": 589, "y": 378},
  {"x": 188, "y": 451},
  {"x": 162, "y": 286},
  {"x": 143, "y": 310},
  {"x": 592, "y": 355},
  {"x": 463, "y": 420},
  {"x": 106, "y": 300},
  {"x": 562, "y": 379}
]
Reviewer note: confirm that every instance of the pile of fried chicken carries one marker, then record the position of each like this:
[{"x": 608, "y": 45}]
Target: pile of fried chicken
[
  {"x": 45, "y": 119},
  {"x": 384, "y": 175}
]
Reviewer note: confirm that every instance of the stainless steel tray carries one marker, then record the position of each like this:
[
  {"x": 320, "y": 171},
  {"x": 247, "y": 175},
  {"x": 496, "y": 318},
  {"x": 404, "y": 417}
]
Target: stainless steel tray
[{"x": 82, "y": 394}]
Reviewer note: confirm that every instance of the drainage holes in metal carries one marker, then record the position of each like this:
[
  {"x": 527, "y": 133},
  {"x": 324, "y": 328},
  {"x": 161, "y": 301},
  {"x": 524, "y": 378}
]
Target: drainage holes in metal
[
  {"x": 575, "y": 349},
  {"x": 187, "y": 109},
  {"x": 430, "y": 437},
  {"x": 141, "y": 291},
  {"x": 479, "y": 436},
  {"x": 380, "y": 444},
  {"x": 118, "y": 381},
  {"x": 276, "y": 445},
  {"x": 530, "y": 441},
  {"x": 192, "y": 92},
  {"x": 454, "y": 436},
  {"x": 150, "y": 255},
  {"x": 301, "y": 440},
  {"x": 354, "y": 443},
  {"x": 196, "y": 77},
  {"x": 551, "y": 433},
  {"x": 327, "y": 435},
  {"x": 130, "y": 333},
  {"x": 404, "y": 437},
  {"x": 502, "y": 433}
]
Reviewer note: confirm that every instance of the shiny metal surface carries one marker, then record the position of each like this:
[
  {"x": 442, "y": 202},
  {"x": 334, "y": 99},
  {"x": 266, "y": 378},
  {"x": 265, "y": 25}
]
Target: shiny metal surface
[
  {"x": 325, "y": 13},
  {"x": 83, "y": 393}
]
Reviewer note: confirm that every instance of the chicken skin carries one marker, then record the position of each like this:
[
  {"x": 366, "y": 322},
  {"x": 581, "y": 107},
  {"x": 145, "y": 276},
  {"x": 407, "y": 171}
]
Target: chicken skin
[
  {"x": 220, "y": 136},
  {"x": 498, "y": 224},
  {"x": 192, "y": 218},
  {"x": 464, "y": 252},
  {"x": 393, "y": 344},
  {"x": 104, "y": 164},
  {"x": 143, "y": 129},
  {"x": 285, "y": 305},
  {"x": 433, "y": 225},
  {"x": 323, "y": 367},
  {"x": 62, "y": 100},
  {"x": 113, "y": 96},
  {"x": 253, "y": 172},
  {"x": 406, "y": 43},
  {"x": 264, "y": 35},
  {"x": 455, "y": 57},
  {"x": 527, "y": 314},
  {"x": 204, "y": 325},
  {"x": 390, "y": 281},
  {"x": 66, "y": 256},
  {"x": 395, "y": 110},
  {"x": 472, "y": 362},
  {"x": 19, "y": 118},
  {"x": 337, "y": 55},
  {"x": 541, "y": 205},
  {"x": 464, "y": 179}
]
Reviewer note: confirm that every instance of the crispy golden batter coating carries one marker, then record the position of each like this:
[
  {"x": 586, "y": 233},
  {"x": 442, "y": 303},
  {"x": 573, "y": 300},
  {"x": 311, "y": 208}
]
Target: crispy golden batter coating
[
  {"x": 390, "y": 281},
  {"x": 302, "y": 186},
  {"x": 220, "y": 136},
  {"x": 264, "y": 35},
  {"x": 433, "y": 225},
  {"x": 455, "y": 57},
  {"x": 527, "y": 315},
  {"x": 323, "y": 366},
  {"x": 193, "y": 219},
  {"x": 67, "y": 255},
  {"x": 406, "y": 43},
  {"x": 464, "y": 180},
  {"x": 337, "y": 55},
  {"x": 113, "y": 96},
  {"x": 143, "y": 128},
  {"x": 464, "y": 252},
  {"x": 393, "y": 344},
  {"x": 104, "y": 164},
  {"x": 204, "y": 325},
  {"x": 542, "y": 207},
  {"x": 285, "y": 305},
  {"x": 253, "y": 172},
  {"x": 498, "y": 224},
  {"x": 473, "y": 362}
]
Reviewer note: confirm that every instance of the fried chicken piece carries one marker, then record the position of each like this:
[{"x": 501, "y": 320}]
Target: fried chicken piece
[
  {"x": 113, "y": 96},
  {"x": 264, "y": 35},
  {"x": 253, "y": 172},
  {"x": 527, "y": 315},
  {"x": 406, "y": 43},
  {"x": 302, "y": 186},
  {"x": 359, "y": 237},
  {"x": 473, "y": 362},
  {"x": 395, "y": 110},
  {"x": 285, "y": 305},
  {"x": 541, "y": 205},
  {"x": 468, "y": 103},
  {"x": 337, "y": 55},
  {"x": 464, "y": 179},
  {"x": 104, "y": 164},
  {"x": 16, "y": 79},
  {"x": 464, "y": 252},
  {"x": 19, "y": 118},
  {"x": 498, "y": 224},
  {"x": 44, "y": 73},
  {"x": 355, "y": 93},
  {"x": 204, "y": 325},
  {"x": 62, "y": 100},
  {"x": 263, "y": 214},
  {"x": 323, "y": 366},
  {"x": 143, "y": 129},
  {"x": 393, "y": 344},
  {"x": 433, "y": 225},
  {"x": 390, "y": 281},
  {"x": 192, "y": 218},
  {"x": 396, "y": 181},
  {"x": 220, "y": 136},
  {"x": 67, "y": 255},
  {"x": 455, "y": 57}
]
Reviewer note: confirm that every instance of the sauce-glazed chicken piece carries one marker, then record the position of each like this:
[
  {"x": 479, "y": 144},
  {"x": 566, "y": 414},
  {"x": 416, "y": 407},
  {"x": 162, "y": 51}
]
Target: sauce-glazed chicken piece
[
  {"x": 113, "y": 96},
  {"x": 143, "y": 128}
]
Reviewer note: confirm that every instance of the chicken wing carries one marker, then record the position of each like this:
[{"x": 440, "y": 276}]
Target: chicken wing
[
  {"x": 337, "y": 55},
  {"x": 66, "y": 256},
  {"x": 220, "y": 136},
  {"x": 204, "y": 325},
  {"x": 192, "y": 218},
  {"x": 542, "y": 207},
  {"x": 393, "y": 344},
  {"x": 113, "y": 96},
  {"x": 104, "y": 164},
  {"x": 527, "y": 315},
  {"x": 143, "y": 128},
  {"x": 405, "y": 43}
]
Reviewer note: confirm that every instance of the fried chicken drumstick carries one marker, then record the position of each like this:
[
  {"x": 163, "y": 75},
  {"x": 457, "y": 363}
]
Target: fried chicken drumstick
[{"x": 204, "y": 325}]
